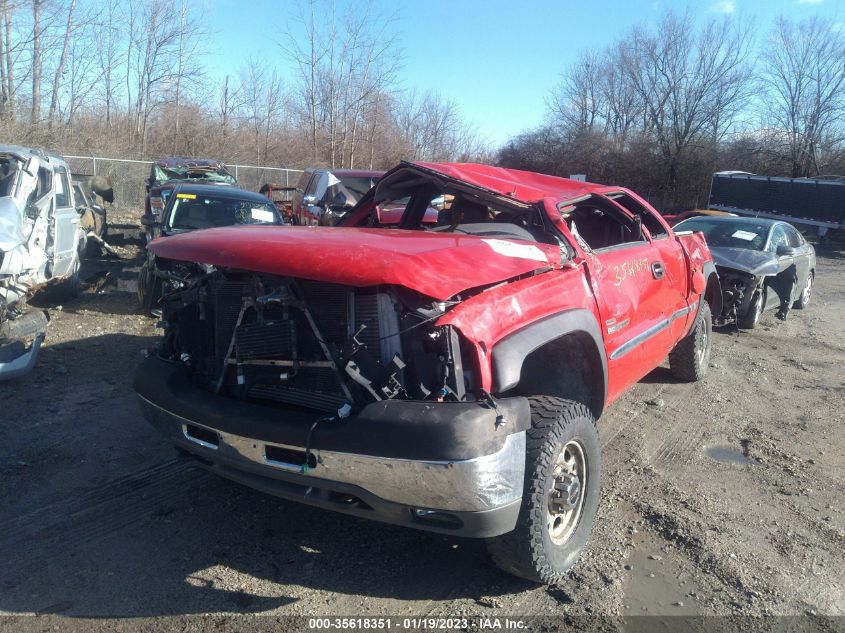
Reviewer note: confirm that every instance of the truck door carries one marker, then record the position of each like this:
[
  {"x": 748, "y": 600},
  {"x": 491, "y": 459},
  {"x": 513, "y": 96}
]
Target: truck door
[
  {"x": 629, "y": 279},
  {"x": 65, "y": 224},
  {"x": 669, "y": 255}
]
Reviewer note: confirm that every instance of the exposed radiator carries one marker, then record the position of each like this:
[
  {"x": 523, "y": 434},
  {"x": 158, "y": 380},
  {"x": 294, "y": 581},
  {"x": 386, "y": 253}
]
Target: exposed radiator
[{"x": 266, "y": 346}]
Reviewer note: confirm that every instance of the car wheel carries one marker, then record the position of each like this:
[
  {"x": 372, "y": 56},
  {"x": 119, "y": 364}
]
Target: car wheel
[
  {"x": 149, "y": 289},
  {"x": 68, "y": 287},
  {"x": 804, "y": 299},
  {"x": 691, "y": 357},
  {"x": 752, "y": 316},
  {"x": 561, "y": 493}
]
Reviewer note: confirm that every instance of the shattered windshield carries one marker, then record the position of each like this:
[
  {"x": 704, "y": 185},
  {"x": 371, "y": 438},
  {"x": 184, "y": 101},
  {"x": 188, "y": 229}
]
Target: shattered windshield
[
  {"x": 191, "y": 211},
  {"x": 744, "y": 234},
  {"x": 162, "y": 174},
  {"x": 8, "y": 171}
]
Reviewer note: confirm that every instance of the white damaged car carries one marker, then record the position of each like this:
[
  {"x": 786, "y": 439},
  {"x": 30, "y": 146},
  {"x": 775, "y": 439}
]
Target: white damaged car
[{"x": 41, "y": 241}]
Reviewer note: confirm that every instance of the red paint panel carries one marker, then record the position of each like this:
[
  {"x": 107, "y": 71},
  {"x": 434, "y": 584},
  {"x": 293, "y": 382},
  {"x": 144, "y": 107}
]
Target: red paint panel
[
  {"x": 438, "y": 265},
  {"x": 488, "y": 317},
  {"x": 524, "y": 186}
]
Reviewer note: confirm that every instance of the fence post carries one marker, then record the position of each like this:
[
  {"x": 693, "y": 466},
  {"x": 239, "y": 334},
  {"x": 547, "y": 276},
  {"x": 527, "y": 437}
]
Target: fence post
[
  {"x": 236, "y": 172},
  {"x": 94, "y": 160}
]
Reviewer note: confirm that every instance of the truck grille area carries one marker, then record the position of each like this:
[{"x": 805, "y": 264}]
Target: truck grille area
[{"x": 280, "y": 340}]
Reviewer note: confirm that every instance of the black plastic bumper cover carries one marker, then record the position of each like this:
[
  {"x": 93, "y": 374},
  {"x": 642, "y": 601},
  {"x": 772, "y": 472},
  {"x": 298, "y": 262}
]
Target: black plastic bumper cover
[{"x": 394, "y": 428}]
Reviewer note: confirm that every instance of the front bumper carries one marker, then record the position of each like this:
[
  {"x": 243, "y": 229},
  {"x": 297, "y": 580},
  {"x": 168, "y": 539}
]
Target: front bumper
[
  {"x": 443, "y": 475},
  {"x": 20, "y": 341}
]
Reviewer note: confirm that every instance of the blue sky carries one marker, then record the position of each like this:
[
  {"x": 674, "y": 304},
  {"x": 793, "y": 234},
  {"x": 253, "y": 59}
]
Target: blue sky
[{"x": 496, "y": 59}]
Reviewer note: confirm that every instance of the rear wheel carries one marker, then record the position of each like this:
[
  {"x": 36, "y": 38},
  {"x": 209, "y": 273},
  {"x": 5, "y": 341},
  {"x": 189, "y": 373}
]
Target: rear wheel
[
  {"x": 561, "y": 493},
  {"x": 751, "y": 318},
  {"x": 804, "y": 299},
  {"x": 691, "y": 357}
]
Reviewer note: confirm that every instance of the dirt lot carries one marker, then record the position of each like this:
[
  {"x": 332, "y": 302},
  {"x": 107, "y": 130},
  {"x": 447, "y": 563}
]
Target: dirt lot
[{"x": 719, "y": 498}]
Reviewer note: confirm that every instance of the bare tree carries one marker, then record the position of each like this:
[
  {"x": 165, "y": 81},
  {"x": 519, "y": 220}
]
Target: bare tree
[
  {"x": 433, "y": 129},
  {"x": 262, "y": 106},
  {"x": 803, "y": 74},
  {"x": 578, "y": 103},
  {"x": 107, "y": 58},
  {"x": 691, "y": 81},
  {"x": 35, "y": 115},
  {"x": 345, "y": 62},
  {"x": 60, "y": 66}
]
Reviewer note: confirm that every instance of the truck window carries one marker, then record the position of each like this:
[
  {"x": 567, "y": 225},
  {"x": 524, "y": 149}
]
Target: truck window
[
  {"x": 303, "y": 182},
  {"x": 600, "y": 225},
  {"x": 62, "y": 188},
  {"x": 45, "y": 184},
  {"x": 650, "y": 222}
]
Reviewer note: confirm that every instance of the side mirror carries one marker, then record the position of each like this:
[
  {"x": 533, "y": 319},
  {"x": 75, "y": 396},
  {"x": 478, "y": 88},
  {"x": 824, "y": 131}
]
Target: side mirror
[
  {"x": 785, "y": 251},
  {"x": 149, "y": 220}
]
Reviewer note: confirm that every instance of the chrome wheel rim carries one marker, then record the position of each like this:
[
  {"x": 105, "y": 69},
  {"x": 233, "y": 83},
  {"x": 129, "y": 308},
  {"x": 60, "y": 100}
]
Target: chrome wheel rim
[
  {"x": 805, "y": 296},
  {"x": 566, "y": 492},
  {"x": 704, "y": 341}
]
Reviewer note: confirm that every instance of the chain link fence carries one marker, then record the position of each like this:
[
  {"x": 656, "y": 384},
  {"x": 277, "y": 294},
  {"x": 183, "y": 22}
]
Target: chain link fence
[{"x": 129, "y": 177}]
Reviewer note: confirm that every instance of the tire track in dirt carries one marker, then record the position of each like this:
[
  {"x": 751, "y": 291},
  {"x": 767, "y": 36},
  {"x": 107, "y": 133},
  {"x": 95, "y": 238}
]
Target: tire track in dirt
[{"x": 77, "y": 521}]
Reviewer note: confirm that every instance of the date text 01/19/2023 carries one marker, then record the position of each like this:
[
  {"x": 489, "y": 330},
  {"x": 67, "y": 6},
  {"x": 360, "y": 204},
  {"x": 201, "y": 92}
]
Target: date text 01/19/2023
[{"x": 422, "y": 623}]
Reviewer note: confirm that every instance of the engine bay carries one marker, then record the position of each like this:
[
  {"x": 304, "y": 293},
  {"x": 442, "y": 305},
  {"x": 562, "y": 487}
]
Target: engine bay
[{"x": 311, "y": 344}]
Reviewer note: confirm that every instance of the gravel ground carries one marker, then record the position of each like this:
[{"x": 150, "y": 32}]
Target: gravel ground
[{"x": 719, "y": 498}]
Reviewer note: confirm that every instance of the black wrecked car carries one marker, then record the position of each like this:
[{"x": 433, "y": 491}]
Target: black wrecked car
[
  {"x": 762, "y": 264},
  {"x": 195, "y": 207}
]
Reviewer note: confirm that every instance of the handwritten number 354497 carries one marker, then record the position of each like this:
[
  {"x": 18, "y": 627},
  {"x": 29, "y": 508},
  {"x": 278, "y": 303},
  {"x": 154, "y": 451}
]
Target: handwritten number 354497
[{"x": 629, "y": 269}]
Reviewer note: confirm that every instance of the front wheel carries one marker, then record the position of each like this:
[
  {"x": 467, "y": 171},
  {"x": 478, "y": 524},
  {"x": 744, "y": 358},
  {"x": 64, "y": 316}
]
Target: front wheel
[
  {"x": 691, "y": 357},
  {"x": 561, "y": 493},
  {"x": 749, "y": 320},
  {"x": 68, "y": 288},
  {"x": 149, "y": 288},
  {"x": 804, "y": 300}
]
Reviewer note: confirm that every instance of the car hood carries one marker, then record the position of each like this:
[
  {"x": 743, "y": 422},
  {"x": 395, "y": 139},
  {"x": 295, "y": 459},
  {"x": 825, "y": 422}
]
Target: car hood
[
  {"x": 759, "y": 263},
  {"x": 438, "y": 265}
]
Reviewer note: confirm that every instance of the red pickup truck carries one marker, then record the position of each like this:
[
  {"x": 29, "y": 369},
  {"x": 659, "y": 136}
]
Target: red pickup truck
[{"x": 446, "y": 378}]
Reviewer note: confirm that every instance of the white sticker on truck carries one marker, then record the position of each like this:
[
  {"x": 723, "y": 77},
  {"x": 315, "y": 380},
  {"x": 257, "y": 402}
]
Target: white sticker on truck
[
  {"x": 744, "y": 235},
  {"x": 262, "y": 215},
  {"x": 520, "y": 251}
]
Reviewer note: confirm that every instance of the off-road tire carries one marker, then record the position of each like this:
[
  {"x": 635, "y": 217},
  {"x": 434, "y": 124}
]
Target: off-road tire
[
  {"x": 528, "y": 551},
  {"x": 751, "y": 318},
  {"x": 804, "y": 300},
  {"x": 690, "y": 359}
]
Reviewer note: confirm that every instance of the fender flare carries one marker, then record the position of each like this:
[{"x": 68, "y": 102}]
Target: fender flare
[
  {"x": 712, "y": 276},
  {"x": 510, "y": 353}
]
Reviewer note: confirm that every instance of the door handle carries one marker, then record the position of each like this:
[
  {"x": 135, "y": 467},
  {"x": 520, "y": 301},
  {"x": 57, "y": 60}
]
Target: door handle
[{"x": 657, "y": 270}]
